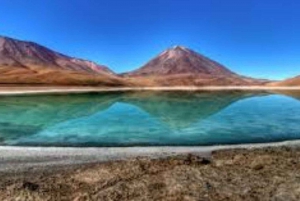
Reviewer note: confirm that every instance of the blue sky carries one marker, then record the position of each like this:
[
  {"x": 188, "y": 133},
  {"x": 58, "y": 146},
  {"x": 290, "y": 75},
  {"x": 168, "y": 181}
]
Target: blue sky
[{"x": 259, "y": 38}]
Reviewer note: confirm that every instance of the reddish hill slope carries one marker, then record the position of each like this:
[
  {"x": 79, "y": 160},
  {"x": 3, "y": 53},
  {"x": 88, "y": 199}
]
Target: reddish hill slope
[{"x": 24, "y": 62}]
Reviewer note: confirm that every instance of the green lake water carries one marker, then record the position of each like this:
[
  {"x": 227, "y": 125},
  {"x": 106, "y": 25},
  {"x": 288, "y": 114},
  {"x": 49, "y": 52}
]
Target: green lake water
[{"x": 150, "y": 118}]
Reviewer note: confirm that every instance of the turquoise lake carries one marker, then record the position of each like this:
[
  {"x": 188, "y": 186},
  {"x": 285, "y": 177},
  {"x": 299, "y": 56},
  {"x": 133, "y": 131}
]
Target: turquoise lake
[{"x": 150, "y": 118}]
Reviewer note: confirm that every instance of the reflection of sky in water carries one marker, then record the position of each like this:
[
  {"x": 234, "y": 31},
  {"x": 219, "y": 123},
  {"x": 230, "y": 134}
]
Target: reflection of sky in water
[{"x": 149, "y": 119}]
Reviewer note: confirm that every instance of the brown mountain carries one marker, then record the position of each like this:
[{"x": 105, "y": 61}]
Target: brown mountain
[
  {"x": 24, "y": 62},
  {"x": 182, "y": 66},
  {"x": 288, "y": 82}
]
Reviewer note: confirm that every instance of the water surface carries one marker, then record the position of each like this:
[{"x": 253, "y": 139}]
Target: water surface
[{"x": 150, "y": 118}]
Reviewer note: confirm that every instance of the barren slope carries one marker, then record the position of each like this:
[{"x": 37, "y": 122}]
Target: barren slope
[{"x": 30, "y": 63}]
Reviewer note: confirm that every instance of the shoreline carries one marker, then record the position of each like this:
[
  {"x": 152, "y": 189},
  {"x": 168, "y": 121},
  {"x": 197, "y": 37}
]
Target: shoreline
[
  {"x": 244, "y": 172},
  {"x": 29, "y": 90},
  {"x": 19, "y": 159}
]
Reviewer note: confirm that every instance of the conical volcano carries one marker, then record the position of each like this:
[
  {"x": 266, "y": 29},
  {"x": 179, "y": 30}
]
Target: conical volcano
[{"x": 182, "y": 66}]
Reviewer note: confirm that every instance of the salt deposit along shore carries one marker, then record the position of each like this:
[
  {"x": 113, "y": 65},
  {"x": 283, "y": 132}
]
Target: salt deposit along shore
[{"x": 14, "y": 159}]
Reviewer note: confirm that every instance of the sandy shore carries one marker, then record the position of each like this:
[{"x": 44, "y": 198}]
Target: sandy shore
[
  {"x": 243, "y": 172},
  {"x": 21, "y": 90}
]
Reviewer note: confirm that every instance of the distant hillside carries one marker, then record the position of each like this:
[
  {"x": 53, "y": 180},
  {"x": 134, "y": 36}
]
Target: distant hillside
[
  {"x": 288, "y": 82},
  {"x": 24, "y": 62}
]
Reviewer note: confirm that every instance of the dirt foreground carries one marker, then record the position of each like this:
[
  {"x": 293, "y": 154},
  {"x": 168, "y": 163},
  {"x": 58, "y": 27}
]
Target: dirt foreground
[{"x": 239, "y": 174}]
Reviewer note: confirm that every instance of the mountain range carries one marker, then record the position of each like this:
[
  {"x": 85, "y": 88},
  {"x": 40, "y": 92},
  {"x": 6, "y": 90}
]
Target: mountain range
[{"x": 23, "y": 62}]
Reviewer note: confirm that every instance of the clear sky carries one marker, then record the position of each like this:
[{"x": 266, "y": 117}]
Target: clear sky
[{"x": 259, "y": 38}]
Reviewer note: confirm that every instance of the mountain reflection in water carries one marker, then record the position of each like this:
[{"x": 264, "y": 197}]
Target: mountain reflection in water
[{"x": 149, "y": 118}]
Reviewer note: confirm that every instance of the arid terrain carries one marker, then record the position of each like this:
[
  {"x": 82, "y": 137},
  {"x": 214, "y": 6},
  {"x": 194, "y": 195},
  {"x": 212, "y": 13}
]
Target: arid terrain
[
  {"x": 241, "y": 174},
  {"x": 28, "y": 63}
]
